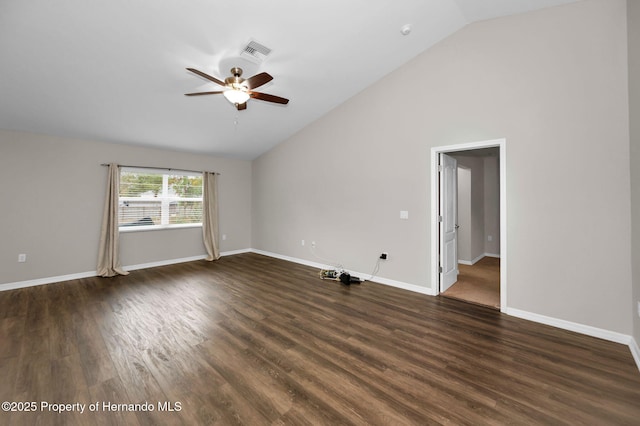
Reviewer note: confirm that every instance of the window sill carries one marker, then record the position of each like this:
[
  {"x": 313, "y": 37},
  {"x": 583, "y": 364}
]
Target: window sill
[{"x": 127, "y": 229}]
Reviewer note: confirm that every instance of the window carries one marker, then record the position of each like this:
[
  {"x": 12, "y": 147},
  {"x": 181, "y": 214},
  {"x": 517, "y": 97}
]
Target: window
[{"x": 150, "y": 199}]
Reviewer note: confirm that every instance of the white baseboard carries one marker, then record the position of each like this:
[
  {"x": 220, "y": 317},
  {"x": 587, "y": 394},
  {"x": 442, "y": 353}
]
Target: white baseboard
[
  {"x": 232, "y": 252},
  {"x": 180, "y": 260},
  {"x": 600, "y": 333},
  {"x": 69, "y": 277},
  {"x": 635, "y": 351},
  {"x": 47, "y": 280},
  {"x": 393, "y": 283},
  {"x": 163, "y": 263},
  {"x": 474, "y": 261},
  {"x": 292, "y": 259},
  {"x": 588, "y": 330},
  {"x": 405, "y": 286}
]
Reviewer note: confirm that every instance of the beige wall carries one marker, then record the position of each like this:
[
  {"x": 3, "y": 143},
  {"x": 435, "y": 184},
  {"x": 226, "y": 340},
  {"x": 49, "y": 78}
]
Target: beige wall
[
  {"x": 52, "y": 195},
  {"x": 554, "y": 84},
  {"x": 634, "y": 115}
]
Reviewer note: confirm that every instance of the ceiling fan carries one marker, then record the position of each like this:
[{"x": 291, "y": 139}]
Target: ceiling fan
[{"x": 238, "y": 90}]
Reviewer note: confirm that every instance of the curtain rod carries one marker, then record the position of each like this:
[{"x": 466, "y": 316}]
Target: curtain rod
[{"x": 161, "y": 168}]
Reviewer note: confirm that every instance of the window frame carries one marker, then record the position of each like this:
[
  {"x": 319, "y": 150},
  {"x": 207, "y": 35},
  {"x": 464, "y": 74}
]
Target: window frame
[{"x": 165, "y": 200}]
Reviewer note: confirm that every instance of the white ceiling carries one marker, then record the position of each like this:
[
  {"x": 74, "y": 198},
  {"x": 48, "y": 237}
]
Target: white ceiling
[{"x": 115, "y": 70}]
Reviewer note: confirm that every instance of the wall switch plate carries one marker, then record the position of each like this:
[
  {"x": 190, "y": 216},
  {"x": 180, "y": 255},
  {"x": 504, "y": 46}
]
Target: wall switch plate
[
  {"x": 224, "y": 237},
  {"x": 639, "y": 309},
  {"x": 404, "y": 214},
  {"x": 302, "y": 242},
  {"x": 490, "y": 238},
  {"x": 22, "y": 258},
  {"x": 313, "y": 244}
]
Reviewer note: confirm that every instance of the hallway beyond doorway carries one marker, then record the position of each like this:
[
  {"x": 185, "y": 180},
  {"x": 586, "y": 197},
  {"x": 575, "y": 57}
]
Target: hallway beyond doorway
[{"x": 478, "y": 283}]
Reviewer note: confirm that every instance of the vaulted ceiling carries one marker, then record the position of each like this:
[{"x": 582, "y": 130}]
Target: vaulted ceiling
[{"x": 115, "y": 70}]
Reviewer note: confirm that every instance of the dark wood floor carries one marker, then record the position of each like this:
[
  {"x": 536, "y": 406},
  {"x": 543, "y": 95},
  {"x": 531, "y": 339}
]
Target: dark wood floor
[{"x": 258, "y": 341}]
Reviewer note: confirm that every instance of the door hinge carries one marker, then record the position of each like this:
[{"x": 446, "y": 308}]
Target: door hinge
[
  {"x": 439, "y": 168},
  {"x": 439, "y": 218},
  {"x": 440, "y": 269}
]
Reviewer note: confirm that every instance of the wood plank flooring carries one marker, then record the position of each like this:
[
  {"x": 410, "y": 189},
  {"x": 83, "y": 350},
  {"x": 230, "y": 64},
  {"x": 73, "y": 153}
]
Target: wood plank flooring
[{"x": 259, "y": 341}]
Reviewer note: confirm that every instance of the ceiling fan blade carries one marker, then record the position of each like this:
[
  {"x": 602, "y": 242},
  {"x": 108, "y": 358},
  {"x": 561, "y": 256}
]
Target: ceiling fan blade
[
  {"x": 202, "y": 93},
  {"x": 241, "y": 106},
  {"x": 258, "y": 80},
  {"x": 268, "y": 98},
  {"x": 207, "y": 76}
]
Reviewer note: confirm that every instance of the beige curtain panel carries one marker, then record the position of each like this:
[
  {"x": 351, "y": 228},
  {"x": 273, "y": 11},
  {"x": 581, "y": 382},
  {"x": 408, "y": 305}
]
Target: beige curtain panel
[
  {"x": 210, "y": 216},
  {"x": 108, "y": 256}
]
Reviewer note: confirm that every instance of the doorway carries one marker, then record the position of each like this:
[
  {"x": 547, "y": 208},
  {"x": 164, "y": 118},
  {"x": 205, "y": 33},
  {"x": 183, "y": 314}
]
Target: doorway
[
  {"x": 479, "y": 221},
  {"x": 478, "y": 283}
]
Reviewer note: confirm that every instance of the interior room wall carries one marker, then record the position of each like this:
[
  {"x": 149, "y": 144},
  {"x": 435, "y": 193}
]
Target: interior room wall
[
  {"x": 477, "y": 210},
  {"x": 554, "y": 84},
  {"x": 492, "y": 205},
  {"x": 484, "y": 208},
  {"x": 464, "y": 214},
  {"x": 52, "y": 196},
  {"x": 634, "y": 120}
]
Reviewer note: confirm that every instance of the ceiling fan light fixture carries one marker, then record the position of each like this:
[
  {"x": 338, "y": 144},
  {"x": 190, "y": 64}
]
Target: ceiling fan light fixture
[
  {"x": 238, "y": 91},
  {"x": 236, "y": 96}
]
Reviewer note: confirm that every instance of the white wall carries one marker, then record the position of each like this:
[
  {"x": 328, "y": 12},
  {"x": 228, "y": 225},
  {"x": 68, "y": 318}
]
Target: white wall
[
  {"x": 554, "y": 84},
  {"x": 634, "y": 116},
  {"x": 52, "y": 196}
]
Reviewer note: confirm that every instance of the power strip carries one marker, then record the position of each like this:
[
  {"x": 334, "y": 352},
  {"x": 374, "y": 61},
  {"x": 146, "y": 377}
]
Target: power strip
[{"x": 329, "y": 274}]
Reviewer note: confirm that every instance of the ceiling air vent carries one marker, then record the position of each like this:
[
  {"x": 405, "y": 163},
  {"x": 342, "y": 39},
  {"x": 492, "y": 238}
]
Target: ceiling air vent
[{"x": 255, "y": 52}]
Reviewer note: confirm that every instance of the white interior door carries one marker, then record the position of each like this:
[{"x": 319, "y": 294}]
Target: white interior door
[{"x": 448, "y": 217}]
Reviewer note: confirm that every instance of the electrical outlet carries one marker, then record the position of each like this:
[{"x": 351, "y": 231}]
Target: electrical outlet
[
  {"x": 384, "y": 255},
  {"x": 22, "y": 258},
  {"x": 639, "y": 308},
  {"x": 313, "y": 244},
  {"x": 302, "y": 243},
  {"x": 224, "y": 237},
  {"x": 490, "y": 238}
]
